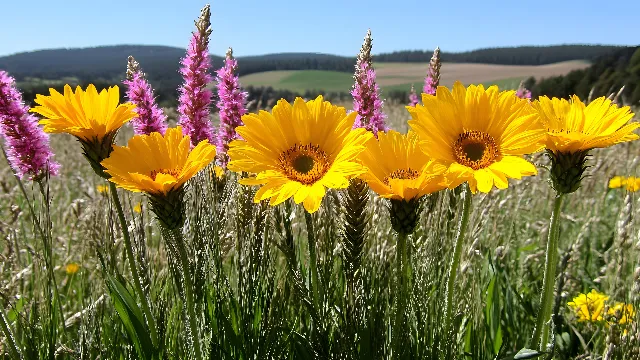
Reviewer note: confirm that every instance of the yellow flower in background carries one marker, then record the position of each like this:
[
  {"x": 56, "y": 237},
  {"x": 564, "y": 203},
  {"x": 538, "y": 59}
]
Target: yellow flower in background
[
  {"x": 624, "y": 313},
  {"x": 72, "y": 268},
  {"x": 216, "y": 172},
  {"x": 157, "y": 164},
  {"x": 102, "y": 189},
  {"x": 480, "y": 135},
  {"x": 398, "y": 169},
  {"x": 137, "y": 208},
  {"x": 589, "y": 307},
  {"x": 574, "y": 127},
  {"x": 630, "y": 183},
  {"x": 87, "y": 115},
  {"x": 298, "y": 150}
]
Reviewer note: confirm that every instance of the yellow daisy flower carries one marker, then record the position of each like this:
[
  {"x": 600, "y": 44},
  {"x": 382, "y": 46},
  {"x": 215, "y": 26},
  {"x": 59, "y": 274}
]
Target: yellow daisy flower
[
  {"x": 298, "y": 150},
  {"x": 589, "y": 307},
  {"x": 624, "y": 313},
  {"x": 479, "y": 134},
  {"x": 72, "y": 268},
  {"x": 398, "y": 169},
  {"x": 157, "y": 164},
  {"x": 87, "y": 115},
  {"x": 617, "y": 182},
  {"x": 574, "y": 127},
  {"x": 93, "y": 118}
]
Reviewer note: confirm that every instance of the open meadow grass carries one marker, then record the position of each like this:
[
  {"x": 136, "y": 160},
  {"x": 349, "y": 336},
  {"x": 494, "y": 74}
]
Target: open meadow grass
[
  {"x": 400, "y": 76},
  {"x": 253, "y": 275}
]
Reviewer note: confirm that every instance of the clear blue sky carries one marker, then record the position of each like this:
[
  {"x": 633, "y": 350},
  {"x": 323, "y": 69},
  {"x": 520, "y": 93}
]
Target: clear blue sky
[{"x": 326, "y": 26}]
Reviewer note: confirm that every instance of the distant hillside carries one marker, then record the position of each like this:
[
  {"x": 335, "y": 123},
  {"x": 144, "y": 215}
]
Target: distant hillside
[
  {"x": 605, "y": 76},
  {"x": 521, "y": 55}
]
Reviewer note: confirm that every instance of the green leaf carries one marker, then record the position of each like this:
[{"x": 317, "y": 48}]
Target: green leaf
[
  {"x": 131, "y": 317},
  {"x": 527, "y": 354}
]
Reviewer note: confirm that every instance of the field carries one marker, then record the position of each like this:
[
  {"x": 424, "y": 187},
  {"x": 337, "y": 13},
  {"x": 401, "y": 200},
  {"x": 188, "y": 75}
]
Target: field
[{"x": 400, "y": 76}]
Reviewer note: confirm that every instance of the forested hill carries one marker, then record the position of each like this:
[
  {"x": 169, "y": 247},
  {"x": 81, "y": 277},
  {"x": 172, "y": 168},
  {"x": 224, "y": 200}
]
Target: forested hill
[
  {"x": 608, "y": 74},
  {"x": 521, "y": 55}
]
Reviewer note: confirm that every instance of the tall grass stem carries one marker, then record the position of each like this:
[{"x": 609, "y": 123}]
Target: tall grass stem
[
  {"x": 313, "y": 260},
  {"x": 401, "y": 293},
  {"x": 12, "y": 347}
]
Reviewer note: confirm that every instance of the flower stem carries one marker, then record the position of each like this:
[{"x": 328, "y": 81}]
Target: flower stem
[
  {"x": 12, "y": 347},
  {"x": 541, "y": 332},
  {"x": 401, "y": 289},
  {"x": 132, "y": 264},
  {"x": 457, "y": 252},
  {"x": 313, "y": 260},
  {"x": 188, "y": 290}
]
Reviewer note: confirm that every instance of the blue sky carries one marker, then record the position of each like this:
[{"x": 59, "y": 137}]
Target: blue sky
[{"x": 326, "y": 26}]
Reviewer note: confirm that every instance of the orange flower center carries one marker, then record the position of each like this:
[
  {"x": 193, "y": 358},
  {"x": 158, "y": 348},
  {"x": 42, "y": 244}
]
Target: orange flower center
[
  {"x": 304, "y": 163},
  {"x": 475, "y": 149},
  {"x": 404, "y": 174},
  {"x": 173, "y": 172}
]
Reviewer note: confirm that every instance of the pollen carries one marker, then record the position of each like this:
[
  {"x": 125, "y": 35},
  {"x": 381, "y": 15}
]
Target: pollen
[
  {"x": 476, "y": 149},
  {"x": 304, "y": 163}
]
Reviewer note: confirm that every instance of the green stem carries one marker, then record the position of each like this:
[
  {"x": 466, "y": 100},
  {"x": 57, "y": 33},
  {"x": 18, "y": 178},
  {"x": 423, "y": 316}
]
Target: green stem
[
  {"x": 132, "y": 265},
  {"x": 541, "y": 333},
  {"x": 401, "y": 290},
  {"x": 188, "y": 290},
  {"x": 13, "y": 348},
  {"x": 457, "y": 252},
  {"x": 313, "y": 260}
]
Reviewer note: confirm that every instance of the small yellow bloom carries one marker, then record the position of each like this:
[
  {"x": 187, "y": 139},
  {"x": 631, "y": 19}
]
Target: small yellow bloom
[
  {"x": 480, "y": 135},
  {"x": 137, "y": 208},
  {"x": 617, "y": 182},
  {"x": 157, "y": 164},
  {"x": 398, "y": 169},
  {"x": 103, "y": 189},
  {"x": 298, "y": 150},
  {"x": 624, "y": 313},
  {"x": 217, "y": 172},
  {"x": 88, "y": 115},
  {"x": 72, "y": 268},
  {"x": 574, "y": 127},
  {"x": 589, "y": 307}
]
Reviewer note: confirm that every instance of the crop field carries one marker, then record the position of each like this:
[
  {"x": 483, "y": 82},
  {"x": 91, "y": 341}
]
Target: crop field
[{"x": 400, "y": 76}]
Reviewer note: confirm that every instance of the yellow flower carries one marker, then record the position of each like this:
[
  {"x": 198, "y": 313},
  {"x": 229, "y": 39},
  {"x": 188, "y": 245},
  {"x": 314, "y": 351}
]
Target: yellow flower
[
  {"x": 216, "y": 172},
  {"x": 137, "y": 208},
  {"x": 624, "y": 313},
  {"x": 617, "y": 182},
  {"x": 398, "y": 169},
  {"x": 589, "y": 307},
  {"x": 574, "y": 127},
  {"x": 72, "y": 268},
  {"x": 157, "y": 164},
  {"x": 298, "y": 150},
  {"x": 86, "y": 115},
  {"x": 479, "y": 135},
  {"x": 103, "y": 189}
]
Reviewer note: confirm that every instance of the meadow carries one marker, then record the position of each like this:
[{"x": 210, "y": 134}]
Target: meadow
[
  {"x": 489, "y": 226},
  {"x": 400, "y": 76}
]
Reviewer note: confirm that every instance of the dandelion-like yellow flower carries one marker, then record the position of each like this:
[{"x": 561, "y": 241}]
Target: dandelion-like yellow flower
[
  {"x": 479, "y": 134},
  {"x": 87, "y": 115},
  {"x": 398, "y": 169},
  {"x": 72, "y": 268},
  {"x": 624, "y": 313},
  {"x": 137, "y": 208},
  {"x": 298, "y": 150},
  {"x": 102, "y": 189},
  {"x": 93, "y": 118},
  {"x": 157, "y": 164},
  {"x": 589, "y": 307},
  {"x": 631, "y": 183},
  {"x": 574, "y": 127}
]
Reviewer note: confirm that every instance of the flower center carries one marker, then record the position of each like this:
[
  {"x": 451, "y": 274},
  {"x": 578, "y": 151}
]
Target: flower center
[
  {"x": 403, "y": 174},
  {"x": 173, "y": 172},
  {"x": 304, "y": 163},
  {"x": 475, "y": 149}
]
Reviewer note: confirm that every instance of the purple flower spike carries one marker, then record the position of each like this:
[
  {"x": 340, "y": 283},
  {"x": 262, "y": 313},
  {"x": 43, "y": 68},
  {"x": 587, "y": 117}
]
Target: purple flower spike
[
  {"x": 413, "y": 97},
  {"x": 26, "y": 144},
  {"x": 432, "y": 81},
  {"x": 232, "y": 105},
  {"x": 366, "y": 92},
  {"x": 522, "y": 92},
  {"x": 195, "y": 98},
  {"x": 150, "y": 116}
]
